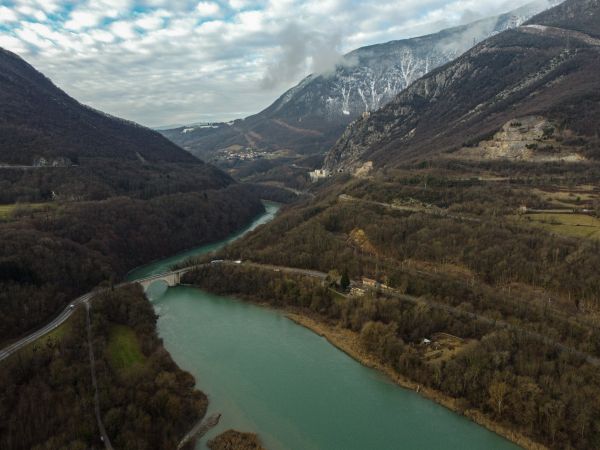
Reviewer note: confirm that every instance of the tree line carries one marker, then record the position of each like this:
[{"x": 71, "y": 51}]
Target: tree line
[
  {"x": 46, "y": 400},
  {"x": 549, "y": 395},
  {"x": 48, "y": 258}
]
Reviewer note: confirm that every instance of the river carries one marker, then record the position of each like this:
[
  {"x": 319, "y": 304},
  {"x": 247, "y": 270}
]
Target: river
[{"x": 268, "y": 375}]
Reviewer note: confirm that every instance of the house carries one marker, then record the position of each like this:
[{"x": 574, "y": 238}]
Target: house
[
  {"x": 357, "y": 292},
  {"x": 368, "y": 282},
  {"x": 318, "y": 174}
]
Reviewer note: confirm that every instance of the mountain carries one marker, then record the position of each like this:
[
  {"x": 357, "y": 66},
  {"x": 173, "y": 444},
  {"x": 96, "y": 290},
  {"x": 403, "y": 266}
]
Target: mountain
[
  {"x": 53, "y": 147},
  {"x": 38, "y": 120},
  {"x": 310, "y": 117},
  {"x": 531, "y": 93}
]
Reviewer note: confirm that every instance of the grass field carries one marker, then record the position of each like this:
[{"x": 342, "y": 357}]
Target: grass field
[
  {"x": 574, "y": 225},
  {"x": 123, "y": 349},
  {"x": 568, "y": 199},
  {"x": 7, "y": 210}
]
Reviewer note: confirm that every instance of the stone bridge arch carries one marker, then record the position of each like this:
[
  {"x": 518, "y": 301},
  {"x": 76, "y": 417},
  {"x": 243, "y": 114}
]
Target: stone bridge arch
[{"x": 171, "y": 279}]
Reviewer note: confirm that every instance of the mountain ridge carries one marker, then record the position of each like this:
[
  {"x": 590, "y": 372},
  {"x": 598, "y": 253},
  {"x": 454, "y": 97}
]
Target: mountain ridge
[
  {"x": 368, "y": 78},
  {"x": 39, "y": 120},
  {"x": 532, "y": 70}
]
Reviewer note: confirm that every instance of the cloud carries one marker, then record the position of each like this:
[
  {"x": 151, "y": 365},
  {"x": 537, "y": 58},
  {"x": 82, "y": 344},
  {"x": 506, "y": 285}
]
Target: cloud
[
  {"x": 164, "y": 61},
  {"x": 302, "y": 51},
  {"x": 82, "y": 19},
  {"x": 208, "y": 9},
  {"x": 122, "y": 29},
  {"x": 7, "y": 15}
]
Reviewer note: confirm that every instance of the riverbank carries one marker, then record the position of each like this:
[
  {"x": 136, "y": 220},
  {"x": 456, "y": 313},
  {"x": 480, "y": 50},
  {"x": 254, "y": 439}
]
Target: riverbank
[
  {"x": 277, "y": 291},
  {"x": 348, "y": 342}
]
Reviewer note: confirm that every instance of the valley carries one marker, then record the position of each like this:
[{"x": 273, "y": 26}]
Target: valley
[
  {"x": 308, "y": 119},
  {"x": 401, "y": 251}
]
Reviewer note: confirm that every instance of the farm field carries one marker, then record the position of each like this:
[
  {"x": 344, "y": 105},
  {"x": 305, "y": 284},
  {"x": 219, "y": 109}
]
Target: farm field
[
  {"x": 573, "y": 225},
  {"x": 7, "y": 210},
  {"x": 568, "y": 198}
]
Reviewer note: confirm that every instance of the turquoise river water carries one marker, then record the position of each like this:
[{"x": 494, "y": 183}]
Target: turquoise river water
[{"x": 268, "y": 375}]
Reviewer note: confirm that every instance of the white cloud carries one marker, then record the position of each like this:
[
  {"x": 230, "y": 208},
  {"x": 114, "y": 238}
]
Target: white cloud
[
  {"x": 239, "y": 4},
  {"x": 12, "y": 43},
  {"x": 152, "y": 21},
  {"x": 7, "y": 15},
  {"x": 189, "y": 60},
  {"x": 31, "y": 12},
  {"x": 208, "y": 9},
  {"x": 123, "y": 30},
  {"x": 82, "y": 19}
]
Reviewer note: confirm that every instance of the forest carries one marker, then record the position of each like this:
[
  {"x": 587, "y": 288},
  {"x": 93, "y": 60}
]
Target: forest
[
  {"x": 99, "y": 179},
  {"x": 551, "y": 396},
  {"x": 49, "y": 257},
  {"x": 147, "y": 403},
  {"x": 450, "y": 241},
  {"x": 476, "y": 231}
]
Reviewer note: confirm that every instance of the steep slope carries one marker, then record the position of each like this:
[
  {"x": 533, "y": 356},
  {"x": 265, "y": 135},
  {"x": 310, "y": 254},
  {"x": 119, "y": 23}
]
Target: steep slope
[
  {"x": 109, "y": 195},
  {"x": 310, "y": 117},
  {"x": 53, "y": 147},
  {"x": 38, "y": 120},
  {"x": 546, "y": 70}
]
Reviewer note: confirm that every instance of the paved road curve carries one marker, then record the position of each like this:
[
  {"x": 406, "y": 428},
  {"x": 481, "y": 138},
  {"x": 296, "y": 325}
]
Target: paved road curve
[
  {"x": 59, "y": 320},
  {"x": 67, "y": 312}
]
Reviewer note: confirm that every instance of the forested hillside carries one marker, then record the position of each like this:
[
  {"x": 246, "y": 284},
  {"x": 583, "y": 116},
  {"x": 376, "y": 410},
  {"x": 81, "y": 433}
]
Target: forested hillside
[
  {"x": 502, "y": 255},
  {"x": 146, "y": 401},
  {"x": 54, "y": 148},
  {"x": 49, "y": 257},
  {"x": 38, "y": 120},
  {"x": 85, "y": 197}
]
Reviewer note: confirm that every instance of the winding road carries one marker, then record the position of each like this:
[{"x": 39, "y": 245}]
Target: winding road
[
  {"x": 68, "y": 311},
  {"x": 58, "y": 321}
]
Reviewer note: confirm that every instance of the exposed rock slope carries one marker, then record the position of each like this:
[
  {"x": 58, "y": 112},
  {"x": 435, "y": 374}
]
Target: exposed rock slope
[
  {"x": 548, "y": 67},
  {"x": 310, "y": 117}
]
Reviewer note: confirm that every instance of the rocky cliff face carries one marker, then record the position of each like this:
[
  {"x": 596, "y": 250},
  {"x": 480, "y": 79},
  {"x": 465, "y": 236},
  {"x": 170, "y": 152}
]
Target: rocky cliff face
[
  {"x": 311, "y": 116},
  {"x": 536, "y": 69}
]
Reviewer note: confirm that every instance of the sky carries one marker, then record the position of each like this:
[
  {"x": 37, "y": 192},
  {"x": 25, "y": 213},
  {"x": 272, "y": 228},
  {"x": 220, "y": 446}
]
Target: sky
[{"x": 175, "y": 62}]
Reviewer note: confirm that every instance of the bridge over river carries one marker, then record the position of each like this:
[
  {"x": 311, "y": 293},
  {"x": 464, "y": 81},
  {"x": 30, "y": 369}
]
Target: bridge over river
[{"x": 171, "y": 279}]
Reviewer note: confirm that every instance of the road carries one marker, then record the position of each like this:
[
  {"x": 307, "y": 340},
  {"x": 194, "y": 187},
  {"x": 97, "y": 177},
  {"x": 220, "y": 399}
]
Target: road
[
  {"x": 290, "y": 270},
  {"x": 58, "y": 321},
  {"x": 437, "y": 305},
  {"x": 432, "y": 211},
  {"x": 67, "y": 312},
  {"x": 103, "y": 434}
]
